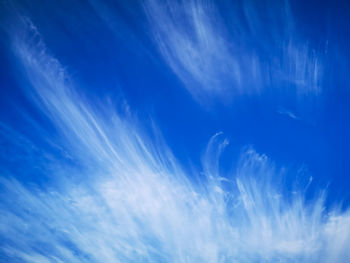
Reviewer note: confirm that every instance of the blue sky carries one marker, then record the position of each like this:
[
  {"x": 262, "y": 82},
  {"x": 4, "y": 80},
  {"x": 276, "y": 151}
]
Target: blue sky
[{"x": 128, "y": 128}]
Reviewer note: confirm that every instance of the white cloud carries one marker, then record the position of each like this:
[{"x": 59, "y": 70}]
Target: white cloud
[
  {"x": 251, "y": 48},
  {"x": 288, "y": 113},
  {"x": 130, "y": 200}
]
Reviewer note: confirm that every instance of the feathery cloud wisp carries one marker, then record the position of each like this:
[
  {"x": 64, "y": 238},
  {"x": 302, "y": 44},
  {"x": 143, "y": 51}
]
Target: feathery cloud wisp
[{"x": 246, "y": 52}]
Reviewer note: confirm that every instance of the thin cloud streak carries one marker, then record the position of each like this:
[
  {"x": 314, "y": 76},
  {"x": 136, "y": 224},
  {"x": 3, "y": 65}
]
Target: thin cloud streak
[
  {"x": 250, "y": 51},
  {"x": 130, "y": 200}
]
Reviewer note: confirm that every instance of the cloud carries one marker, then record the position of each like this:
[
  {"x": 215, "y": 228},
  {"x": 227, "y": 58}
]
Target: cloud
[
  {"x": 288, "y": 113},
  {"x": 246, "y": 48},
  {"x": 129, "y": 200}
]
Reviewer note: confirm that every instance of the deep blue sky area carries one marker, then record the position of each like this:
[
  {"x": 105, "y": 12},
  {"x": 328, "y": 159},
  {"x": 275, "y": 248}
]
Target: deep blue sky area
[{"x": 109, "y": 53}]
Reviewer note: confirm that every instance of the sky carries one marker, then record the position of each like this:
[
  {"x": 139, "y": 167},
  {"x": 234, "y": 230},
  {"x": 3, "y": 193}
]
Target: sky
[{"x": 174, "y": 131}]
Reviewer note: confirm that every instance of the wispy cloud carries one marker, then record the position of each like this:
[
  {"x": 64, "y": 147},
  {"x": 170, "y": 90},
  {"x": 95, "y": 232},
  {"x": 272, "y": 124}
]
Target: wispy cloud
[
  {"x": 131, "y": 201},
  {"x": 254, "y": 48},
  {"x": 288, "y": 113}
]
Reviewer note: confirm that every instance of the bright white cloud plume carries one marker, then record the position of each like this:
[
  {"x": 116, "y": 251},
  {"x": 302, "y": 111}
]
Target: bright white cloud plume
[
  {"x": 131, "y": 201},
  {"x": 253, "y": 48}
]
